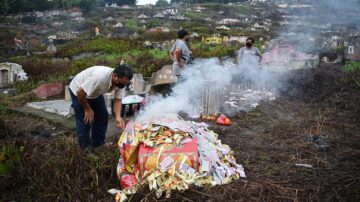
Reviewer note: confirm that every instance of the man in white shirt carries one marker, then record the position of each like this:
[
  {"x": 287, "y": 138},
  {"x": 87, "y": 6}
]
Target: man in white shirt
[{"x": 86, "y": 90}]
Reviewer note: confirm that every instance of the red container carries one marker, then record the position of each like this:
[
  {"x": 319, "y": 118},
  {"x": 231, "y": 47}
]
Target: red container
[{"x": 189, "y": 149}]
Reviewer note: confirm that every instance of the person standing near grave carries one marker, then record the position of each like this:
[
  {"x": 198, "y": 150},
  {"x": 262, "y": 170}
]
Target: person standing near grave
[
  {"x": 249, "y": 55},
  {"x": 180, "y": 53},
  {"x": 86, "y": 91}
]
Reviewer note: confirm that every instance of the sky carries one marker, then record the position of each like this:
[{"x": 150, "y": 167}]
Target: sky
[{"x": 143, "y": 2}]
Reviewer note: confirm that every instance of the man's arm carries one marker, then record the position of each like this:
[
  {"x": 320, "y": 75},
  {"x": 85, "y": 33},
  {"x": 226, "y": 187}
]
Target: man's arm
[
  {"x": 89, "y": 113},
  {"x": 171, "y": 52},
  {"x": 259, "y": 55},
  {"x": 117, "y": 111},
  {"x": 177, "y": 54}
]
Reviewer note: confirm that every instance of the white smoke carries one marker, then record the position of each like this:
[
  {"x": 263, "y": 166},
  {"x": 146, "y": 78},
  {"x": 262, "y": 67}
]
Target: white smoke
[
  {"x": 311, "y": 22},
  {"x": 186, "y": 95}
]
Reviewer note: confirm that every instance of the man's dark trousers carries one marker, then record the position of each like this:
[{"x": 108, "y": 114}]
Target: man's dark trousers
[{"x": 97, "y": 128}]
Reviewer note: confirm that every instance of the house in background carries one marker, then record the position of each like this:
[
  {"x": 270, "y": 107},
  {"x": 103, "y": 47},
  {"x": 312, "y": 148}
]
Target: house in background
[
  {"x": 179, "y": 18},
  {"x": 199, "y": 9},
  {"x": 170, "y": 11},
  {"x": 229, "y": 21},
  {"x": 143, "y": 16},
  {"x": 223, "y": 27},
  {"x": 333, "y": 42},
  {"x": 159, "y": 16},
  {"x": 235, "y": 39},
  {"x": 352, "y": 49},
  {"x": 159, "y": 29}
]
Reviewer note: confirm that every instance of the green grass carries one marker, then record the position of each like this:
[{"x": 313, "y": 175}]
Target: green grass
[
  {"x": 206, "y": 51},
  {"x": 3, "y": 107},
  {"x": 98, "y": 44},
  {"x": 159, "y": 54},
  {"x": 352, "y": 67},
  {"x": 192, "y": 15}
]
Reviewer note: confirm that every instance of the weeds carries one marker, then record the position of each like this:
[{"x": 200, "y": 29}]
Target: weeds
[
  {"x": 353, "y": 69},
  {"x": 3, "y": 107},
  {"x": 9, "y": 159}
]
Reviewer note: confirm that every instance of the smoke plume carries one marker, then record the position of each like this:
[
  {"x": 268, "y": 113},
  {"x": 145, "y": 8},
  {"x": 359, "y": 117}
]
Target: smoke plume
[{"x": 186, "y": 95}]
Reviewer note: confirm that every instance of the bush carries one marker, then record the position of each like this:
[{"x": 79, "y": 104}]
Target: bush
[
  {"x": 40, "y": 68},
  {"x": 159, "y": 36},
  {"x": 132, "y": 24},
  {"x": 96, "y": 45}
]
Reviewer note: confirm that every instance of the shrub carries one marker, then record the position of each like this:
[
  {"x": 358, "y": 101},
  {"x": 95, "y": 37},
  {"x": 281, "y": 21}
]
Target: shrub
[{"x": 40, "y": 68}]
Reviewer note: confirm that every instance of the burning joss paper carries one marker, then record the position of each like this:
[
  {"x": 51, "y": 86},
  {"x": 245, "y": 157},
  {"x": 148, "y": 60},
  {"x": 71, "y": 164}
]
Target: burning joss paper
[{"x": 172, "y": 155}]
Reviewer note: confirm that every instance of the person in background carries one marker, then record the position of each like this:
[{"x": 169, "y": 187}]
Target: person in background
[
  {"x": 249, "y": 55},
  {"x": 86, "y": 91},
  {"x": 180, "y": 53},
  {"x": 97, "y": 31}
]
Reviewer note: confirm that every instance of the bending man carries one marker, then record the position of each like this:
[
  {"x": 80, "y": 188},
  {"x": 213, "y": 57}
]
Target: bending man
[{"x": 86, "y": 90}]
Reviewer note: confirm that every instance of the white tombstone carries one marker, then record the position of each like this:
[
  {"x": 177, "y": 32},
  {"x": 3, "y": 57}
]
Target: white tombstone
[
  {"x": 10, "y": 73},
  {"x": 67, "y": 93}
]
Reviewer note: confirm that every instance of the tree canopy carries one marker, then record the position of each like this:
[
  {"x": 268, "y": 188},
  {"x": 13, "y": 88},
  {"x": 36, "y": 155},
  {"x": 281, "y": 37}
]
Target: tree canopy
[
  {"x": 162, "y": 3},
  {"x": 16, "y": 6},
  {"x": 206, "y": 1}
]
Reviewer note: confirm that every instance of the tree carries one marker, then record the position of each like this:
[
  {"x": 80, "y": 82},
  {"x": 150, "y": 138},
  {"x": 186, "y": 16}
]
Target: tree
[
  {"x": 4, "y": 6},
  {"x": 162, "y": 3},
  {"x": 40, "y": 5},
  {"x": 121, "y": 2},
  {"x": 16, "y": 6},
  {"x": 87, "y": 5}
]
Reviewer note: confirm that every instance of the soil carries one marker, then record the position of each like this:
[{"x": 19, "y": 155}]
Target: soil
[{"x": 304, "y": 146}]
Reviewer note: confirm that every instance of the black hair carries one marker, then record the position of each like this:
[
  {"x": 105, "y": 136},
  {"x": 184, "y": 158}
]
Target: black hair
[
  {"x": 252, "y": 40},
  {"x": 123, "y": 70},
  {"x": 182, "y": 33}
]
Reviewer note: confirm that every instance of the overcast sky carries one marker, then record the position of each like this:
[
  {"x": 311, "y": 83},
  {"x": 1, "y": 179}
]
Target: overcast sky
[{"x": 142, "y": 2}]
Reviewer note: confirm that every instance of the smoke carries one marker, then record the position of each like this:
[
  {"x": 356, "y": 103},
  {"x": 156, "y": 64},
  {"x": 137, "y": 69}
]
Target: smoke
[
  {"x": 345, "y": 12},
  {"x": 307, "y": 22},
  {"x": 186, "y": 95}
]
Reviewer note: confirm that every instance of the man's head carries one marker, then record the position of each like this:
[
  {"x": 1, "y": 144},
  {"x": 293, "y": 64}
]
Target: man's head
[
  {"x": 183, "y": 34},
  {"x": 250, "y": 42},
  {"x": 122, "y": 75}
]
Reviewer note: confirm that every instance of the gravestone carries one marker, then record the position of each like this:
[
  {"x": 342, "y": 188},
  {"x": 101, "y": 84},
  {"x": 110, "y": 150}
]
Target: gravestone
[
  {"x": 164, "y": 76},
  {"x": 10, "y": 73},
  {"x": 138, "y": 84}
]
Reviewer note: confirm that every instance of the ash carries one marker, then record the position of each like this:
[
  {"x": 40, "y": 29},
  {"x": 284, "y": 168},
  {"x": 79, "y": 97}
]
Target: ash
[{"x": 244, "y": 97}]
